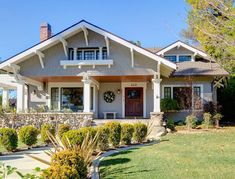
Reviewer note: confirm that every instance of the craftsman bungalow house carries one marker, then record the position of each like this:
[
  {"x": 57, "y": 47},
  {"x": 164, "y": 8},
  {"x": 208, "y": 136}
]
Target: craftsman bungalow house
[{"x": 87, "y": 69}]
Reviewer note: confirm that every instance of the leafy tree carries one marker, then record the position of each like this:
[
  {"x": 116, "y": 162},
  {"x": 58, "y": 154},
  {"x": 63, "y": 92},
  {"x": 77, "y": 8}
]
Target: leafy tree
[{"x": 212, "y": 24}]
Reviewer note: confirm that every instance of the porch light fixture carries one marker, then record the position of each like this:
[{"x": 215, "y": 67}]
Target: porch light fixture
[{"x": 118, "y": 91}]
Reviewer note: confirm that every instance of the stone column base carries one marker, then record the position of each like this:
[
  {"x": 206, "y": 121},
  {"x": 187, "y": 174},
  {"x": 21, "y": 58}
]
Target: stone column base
[{"x": 157, "y": 128}]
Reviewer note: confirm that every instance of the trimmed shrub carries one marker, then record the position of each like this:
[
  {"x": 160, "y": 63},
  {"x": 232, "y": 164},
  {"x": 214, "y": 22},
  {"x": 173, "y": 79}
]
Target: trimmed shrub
[
  {"x": 114, "y": 133},
  {"x": 169, "y": 104},
  {"x": 45, "y": 128},
  {"x": 170, "y": 124},
  {"x": 207, "y": 119},
  {"x": 88, "y": 130},
  {"x": 191, "y": 121},
  {"x": 126, "y": 133},
  {"x": 62, "y": 128},
  {"x": 75, "y": 137},
  {"x": 217, "y": 117},
  {"x": 103, "y": 137},
  {"x": 8, "y": 139},
  {"x": 28, "y": 135},
  {"x": 67, "y": 159},
  {"x": 140, "y": 132},
  {"x": 57, "y": 171}
]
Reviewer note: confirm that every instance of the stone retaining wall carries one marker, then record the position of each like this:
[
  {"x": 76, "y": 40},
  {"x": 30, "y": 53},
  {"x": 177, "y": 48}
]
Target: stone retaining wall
[{"x": 75, "y": 120}]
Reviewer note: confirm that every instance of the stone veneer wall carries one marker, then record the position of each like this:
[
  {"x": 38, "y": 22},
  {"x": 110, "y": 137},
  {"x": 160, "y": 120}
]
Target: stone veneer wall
[{"x": 75, "y": 120}]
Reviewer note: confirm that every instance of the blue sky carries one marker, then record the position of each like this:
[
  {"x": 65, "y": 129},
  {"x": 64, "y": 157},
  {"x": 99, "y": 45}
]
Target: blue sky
[{"x": 153, "y": 22}]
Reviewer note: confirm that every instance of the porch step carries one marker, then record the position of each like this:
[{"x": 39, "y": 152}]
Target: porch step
[{"x": 100, "y": 122}]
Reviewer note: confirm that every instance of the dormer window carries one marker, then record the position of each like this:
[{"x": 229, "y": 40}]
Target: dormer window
[
  {"x": 185, "y": 58},
  {"x": 172, "y": 58},
  {"x": 179, "y": 58}
]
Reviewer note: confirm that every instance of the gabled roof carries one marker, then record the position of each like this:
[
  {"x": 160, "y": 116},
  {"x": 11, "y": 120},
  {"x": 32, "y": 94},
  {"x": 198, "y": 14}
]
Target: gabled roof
[
  {"x": 182, "y": 44},
  {"x": 75, "y": 29}
]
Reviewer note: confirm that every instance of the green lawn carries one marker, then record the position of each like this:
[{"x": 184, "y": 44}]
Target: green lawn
[{"x": 206, "y": 155}]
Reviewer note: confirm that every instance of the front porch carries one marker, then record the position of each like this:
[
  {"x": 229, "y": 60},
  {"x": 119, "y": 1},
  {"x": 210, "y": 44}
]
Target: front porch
[{"x": 133, "y": 96}]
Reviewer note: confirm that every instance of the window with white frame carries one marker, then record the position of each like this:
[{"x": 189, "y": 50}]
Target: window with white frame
[
  {"x": 69, "y": 98},
  {"x": 172, "y": 58},
  {"x": 178, "y": 58},
  {"x": 88, "y": 54},
  {"x": 186, "y": 98},
  {"x": 185, "y": 58}
]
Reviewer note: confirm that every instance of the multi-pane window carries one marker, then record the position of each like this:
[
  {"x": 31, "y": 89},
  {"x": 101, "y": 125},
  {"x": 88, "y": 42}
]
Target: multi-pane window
[
  {"x": 79, "y": 55},
  {"x": 55, "y": 98},
  {"x": 167, "y": 92},
  {"x": 185, "y": 58},
  {"x": 172, "y": 58},
  {"x": 197, "y": 102},
  {"x": 89, "y": 55},
  {"x": 71, "y": 54},
  {"x": 104, "y": 54},
  {"x": 69, "y": 98}
]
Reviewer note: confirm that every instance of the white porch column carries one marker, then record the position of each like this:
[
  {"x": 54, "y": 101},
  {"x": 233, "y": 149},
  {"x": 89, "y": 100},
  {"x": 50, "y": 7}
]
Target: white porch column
[
  {"x": 20, "y": 97},
  {"x": 75, "y": 53},
  {"x": 86, "y": 94},
  {"x": 156, "y": 95},
  {"x": 5, "y": 97}
]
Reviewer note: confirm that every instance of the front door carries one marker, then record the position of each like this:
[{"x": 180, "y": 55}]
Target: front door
[{"x": 134, "y": 101}]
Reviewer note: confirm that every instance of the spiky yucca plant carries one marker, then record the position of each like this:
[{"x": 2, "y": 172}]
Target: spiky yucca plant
[{"x": 85, "y": 150}]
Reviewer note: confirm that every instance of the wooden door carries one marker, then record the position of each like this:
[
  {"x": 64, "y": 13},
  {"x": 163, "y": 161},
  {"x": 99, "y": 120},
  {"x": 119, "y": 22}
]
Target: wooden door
[{"x": 134, "y": 101}]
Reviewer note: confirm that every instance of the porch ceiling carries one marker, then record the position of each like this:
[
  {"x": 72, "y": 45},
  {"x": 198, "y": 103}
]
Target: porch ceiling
[{"x": 136, "y": 78}]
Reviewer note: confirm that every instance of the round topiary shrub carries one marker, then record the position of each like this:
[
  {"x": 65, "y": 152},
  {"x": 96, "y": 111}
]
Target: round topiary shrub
[
  {"x": 8, "y": 139},
  {"x": 126, "y": 133},
  {"x": 57, "y": 171},
  {"x": 140, "y": 132},
  {"x": 45, "y": 128},
  {"x": 28, "y": 135},
  {"x": 114, "y": 133},
  {"x": 62, "y": 128},
  {"x": 75, "y": 137},
  {"x": 91, "y": 131},
  {"x": 65, "y": 159},
  {"x": 103, "y": 138}
]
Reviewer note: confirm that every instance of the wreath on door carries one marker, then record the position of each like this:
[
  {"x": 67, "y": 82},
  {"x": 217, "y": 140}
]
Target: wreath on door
[{"x": 109, "y": 96}]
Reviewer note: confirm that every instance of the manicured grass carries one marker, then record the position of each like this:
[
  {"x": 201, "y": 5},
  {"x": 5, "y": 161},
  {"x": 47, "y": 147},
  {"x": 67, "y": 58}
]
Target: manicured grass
[{"x": 209, "y": 154}]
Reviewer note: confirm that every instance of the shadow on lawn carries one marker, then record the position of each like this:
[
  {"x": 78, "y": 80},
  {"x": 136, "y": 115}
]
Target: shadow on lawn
[{"x": 109, "y": 172}]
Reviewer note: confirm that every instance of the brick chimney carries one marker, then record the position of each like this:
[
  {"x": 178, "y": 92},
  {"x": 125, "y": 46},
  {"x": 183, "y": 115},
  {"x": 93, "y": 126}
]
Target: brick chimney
[{"x": 45, "y": 31}]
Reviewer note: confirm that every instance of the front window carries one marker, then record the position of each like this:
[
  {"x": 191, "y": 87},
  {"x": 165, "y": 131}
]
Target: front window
[
  {"x": 69, "y": 98},
  {"x": 184, "y": 97},
  {"x": 185, "y": 58},
  {"x": 55, "y": 98},
  {"x": 79, "y": 55},
  {"x": 172, "y": 58},
  {"x": 167, "y": 92},
  {"x": 72, "y": 98}
]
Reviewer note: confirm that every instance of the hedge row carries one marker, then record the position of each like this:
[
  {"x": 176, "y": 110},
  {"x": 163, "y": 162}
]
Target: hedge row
[{"x": 111, "y": 134}]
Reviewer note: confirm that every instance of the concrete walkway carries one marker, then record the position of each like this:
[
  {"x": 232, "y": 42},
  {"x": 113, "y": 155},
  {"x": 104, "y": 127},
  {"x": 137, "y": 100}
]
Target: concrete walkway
[
  {"x": 24, "y": 163},
  {"x": 96, "y": 162}
]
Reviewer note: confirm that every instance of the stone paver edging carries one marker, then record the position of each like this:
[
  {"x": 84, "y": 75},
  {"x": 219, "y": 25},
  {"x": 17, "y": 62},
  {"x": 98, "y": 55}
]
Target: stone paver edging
[{"x": 96, "y": 162}]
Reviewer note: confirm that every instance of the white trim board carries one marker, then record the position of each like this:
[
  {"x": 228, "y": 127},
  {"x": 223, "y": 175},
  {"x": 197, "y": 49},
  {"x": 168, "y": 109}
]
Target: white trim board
[
  {"x": 179, "y": 44},
  {"x": 134, "y": 85},
  {"x": 77, "y": 28}
]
